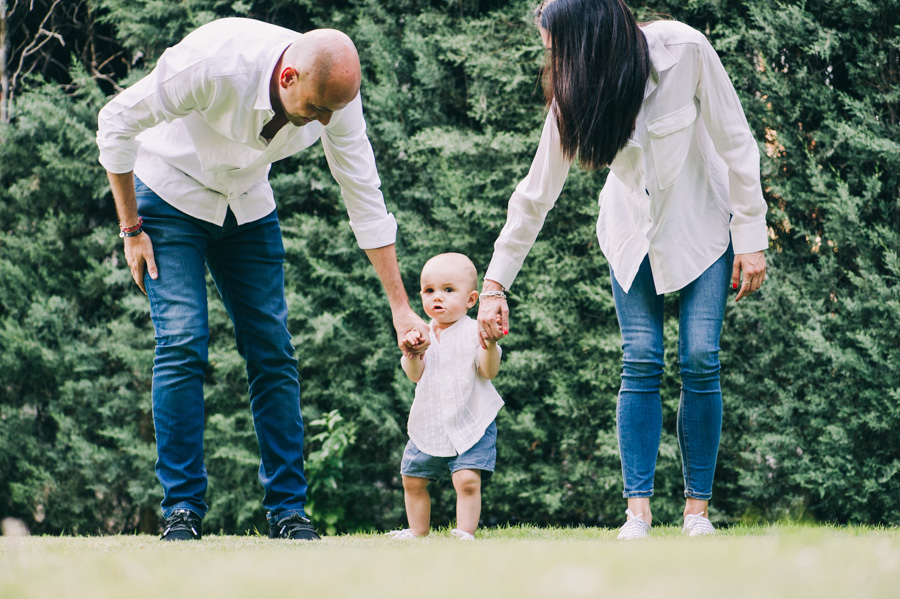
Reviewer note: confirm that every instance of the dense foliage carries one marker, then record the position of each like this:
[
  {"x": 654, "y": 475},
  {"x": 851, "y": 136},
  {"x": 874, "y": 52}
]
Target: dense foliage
[{"x": 811, "y": 364}]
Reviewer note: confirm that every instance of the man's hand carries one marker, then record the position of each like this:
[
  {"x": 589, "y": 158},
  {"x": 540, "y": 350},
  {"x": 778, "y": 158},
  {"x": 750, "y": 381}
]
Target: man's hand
[
  {"x": 384, "y": 261},
  {"x": 139, "y": 253},
  {"x": 753, "y": 267},
  {"x": 412, "y": 333},
  {"x": 138, "y": 249}
]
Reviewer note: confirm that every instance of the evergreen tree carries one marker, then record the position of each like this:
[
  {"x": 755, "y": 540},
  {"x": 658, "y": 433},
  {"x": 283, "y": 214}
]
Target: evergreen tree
[{"x": 453, "y": 103}]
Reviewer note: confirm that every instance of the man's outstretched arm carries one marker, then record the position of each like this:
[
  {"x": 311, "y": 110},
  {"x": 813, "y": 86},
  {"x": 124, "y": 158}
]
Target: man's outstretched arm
[{"x": 384, "y": 260}]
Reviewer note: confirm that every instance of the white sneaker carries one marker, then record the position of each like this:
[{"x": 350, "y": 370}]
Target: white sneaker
[
  {"x": 634, "y": 528},
  {"x": 462, "y": 535},
  {"x": 401, "y": 535},
  {"x": 696, "y": 525}
]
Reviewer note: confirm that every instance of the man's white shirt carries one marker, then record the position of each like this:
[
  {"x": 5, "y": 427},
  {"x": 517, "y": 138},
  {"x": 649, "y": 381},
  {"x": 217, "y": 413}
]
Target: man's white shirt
[{"x": 191, "y": 130}]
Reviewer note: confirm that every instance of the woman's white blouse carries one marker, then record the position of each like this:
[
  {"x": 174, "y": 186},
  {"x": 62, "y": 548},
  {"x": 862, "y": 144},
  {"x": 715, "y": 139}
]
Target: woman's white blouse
[
  {"x": 686, "y": 183},
  {"x": 454, "y": 404}
]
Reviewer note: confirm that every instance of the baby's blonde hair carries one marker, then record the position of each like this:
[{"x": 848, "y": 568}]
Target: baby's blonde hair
[{"x": 462, "y": 262}]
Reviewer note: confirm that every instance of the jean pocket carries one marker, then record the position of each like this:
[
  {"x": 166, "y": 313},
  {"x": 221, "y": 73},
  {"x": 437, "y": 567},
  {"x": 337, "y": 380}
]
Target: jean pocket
[
  {"x": 670, "y": 140},
  {"x": 148, "y": 201},
  {"x": 144, "y": 195},
  {"x": 140, "y": 188}
]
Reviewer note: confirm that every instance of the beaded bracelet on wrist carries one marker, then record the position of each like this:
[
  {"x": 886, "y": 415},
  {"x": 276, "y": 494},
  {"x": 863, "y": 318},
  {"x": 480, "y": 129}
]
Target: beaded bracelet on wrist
[
  {"x": 499, "y": 294},
  {"x": 132, "y": 231}
]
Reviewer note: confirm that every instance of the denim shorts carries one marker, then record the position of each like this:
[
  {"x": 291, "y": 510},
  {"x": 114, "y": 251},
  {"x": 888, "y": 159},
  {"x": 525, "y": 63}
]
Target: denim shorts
[{"x": 481, "y": 456}]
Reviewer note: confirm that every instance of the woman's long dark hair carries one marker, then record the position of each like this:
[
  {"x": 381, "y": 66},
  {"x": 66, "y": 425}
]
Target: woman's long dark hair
[{"x": 594, "y": 76}]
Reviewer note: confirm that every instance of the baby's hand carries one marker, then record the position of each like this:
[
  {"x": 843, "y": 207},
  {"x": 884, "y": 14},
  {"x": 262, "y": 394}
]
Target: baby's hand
[
  {"x": 485, "y": 341},
  {"x": 410, "y": 340}
]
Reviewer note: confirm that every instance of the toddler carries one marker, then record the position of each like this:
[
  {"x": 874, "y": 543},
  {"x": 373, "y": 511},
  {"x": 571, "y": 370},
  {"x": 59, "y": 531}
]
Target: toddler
[{"x": 451, "y": 423}]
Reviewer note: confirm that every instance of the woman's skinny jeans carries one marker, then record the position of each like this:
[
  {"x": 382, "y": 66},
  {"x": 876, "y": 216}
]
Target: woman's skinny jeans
[{"x": 639, "y": 409}]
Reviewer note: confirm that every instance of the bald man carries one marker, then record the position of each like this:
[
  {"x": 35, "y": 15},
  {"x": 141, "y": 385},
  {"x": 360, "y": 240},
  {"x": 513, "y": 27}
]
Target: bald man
[{"x": 188, "y": 150}]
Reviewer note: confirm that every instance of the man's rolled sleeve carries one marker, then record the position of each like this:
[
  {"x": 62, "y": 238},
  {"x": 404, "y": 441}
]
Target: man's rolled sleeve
[
  {"x": 352, "y": 164},
  {"x": 118, "y": 150},
  {"x": 164, "y": 95},
  {"x": 375, "y": 234},
  {"x": 119, "y": 122}
]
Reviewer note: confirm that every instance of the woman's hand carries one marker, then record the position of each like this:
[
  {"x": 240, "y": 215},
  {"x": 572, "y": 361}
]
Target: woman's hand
[
  {"x": 753, "y": 267},
  {"x": 493, "y": 315}
]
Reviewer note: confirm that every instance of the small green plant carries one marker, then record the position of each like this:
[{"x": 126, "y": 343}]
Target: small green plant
[{"x": 325, "y": 468}]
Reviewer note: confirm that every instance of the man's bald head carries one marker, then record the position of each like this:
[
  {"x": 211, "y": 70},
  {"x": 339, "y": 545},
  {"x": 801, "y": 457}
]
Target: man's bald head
[
  {"x": 317, "y": 75},
  {"x": 327, "y": 60}
]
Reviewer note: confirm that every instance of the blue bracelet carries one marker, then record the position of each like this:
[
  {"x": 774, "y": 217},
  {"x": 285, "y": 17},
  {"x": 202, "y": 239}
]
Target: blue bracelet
[{"x": 133, "y": 231}]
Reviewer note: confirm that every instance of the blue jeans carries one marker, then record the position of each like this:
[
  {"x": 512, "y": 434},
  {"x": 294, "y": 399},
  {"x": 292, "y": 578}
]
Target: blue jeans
[
  {"x": 639, "y": 409},
  {"x": 246, "y": 263}
]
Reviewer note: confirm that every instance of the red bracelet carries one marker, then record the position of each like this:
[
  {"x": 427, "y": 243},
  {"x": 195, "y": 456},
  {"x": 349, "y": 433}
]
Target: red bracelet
[{"x": 134, "y": 228}]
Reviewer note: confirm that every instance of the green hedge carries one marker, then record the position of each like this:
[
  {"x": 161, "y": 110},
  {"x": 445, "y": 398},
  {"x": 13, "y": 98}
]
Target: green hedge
[{"x": 811, "y": 364}]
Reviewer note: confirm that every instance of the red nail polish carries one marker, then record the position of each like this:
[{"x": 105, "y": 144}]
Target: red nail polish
[
  {"x": 734, "y": 285},
  {"x": 505, "y": 331}
]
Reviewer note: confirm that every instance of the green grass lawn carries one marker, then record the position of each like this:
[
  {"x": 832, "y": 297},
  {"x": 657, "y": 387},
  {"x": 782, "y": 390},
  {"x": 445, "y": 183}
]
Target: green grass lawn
[{"x": 517, "y": 562}]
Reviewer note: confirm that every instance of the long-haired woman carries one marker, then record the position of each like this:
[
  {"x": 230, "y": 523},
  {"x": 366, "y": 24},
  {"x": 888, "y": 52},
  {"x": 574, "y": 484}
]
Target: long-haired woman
[{"x": 681, "y": 211}]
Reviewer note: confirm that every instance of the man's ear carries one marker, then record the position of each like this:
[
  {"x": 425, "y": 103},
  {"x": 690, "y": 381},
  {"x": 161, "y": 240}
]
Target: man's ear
[{"x": 288, "y": 76}]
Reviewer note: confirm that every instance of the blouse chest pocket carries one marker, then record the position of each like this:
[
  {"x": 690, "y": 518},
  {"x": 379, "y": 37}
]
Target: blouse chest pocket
[{"x": 670, "y": 141}]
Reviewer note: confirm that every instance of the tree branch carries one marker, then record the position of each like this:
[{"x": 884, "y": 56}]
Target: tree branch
[{"x": 39, "y": 40}]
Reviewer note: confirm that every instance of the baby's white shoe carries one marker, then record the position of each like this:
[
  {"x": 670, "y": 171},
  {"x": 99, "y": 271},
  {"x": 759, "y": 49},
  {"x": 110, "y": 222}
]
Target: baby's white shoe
[
  {"x": 462, "y": 535},
  {"x": 401, "y": 535}
]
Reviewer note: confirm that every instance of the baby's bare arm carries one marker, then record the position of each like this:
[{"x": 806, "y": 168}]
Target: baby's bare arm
[
  {"x": 489, "y": 360},
  {"x": 413, "y": 364},
  {"x": 413, "y": 367}
]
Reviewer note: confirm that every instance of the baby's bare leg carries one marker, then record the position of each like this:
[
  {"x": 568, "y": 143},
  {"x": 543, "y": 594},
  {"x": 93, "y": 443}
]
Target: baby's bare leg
[
  {"x": 468, "y": 499},
  {"x": 418, "y": 504}
]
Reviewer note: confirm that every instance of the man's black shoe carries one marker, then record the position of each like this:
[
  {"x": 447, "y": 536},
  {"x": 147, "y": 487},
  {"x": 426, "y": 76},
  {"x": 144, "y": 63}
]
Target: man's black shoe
[
  {"x": 182, "y": 525},
  {"x": 294, "y": 526}
]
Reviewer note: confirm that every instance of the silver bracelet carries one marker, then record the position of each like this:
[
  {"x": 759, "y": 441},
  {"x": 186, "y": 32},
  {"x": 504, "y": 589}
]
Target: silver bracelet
[{"x": 499, "y": 294}]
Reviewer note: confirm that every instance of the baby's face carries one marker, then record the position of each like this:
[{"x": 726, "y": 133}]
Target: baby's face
[{"x": 447, "y": 292}]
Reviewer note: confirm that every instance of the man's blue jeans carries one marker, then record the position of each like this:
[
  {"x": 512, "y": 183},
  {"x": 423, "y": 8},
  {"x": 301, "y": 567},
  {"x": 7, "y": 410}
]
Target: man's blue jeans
[
  {"x": 247, "y": 265},
  {"x": 639, "y": 410}
]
